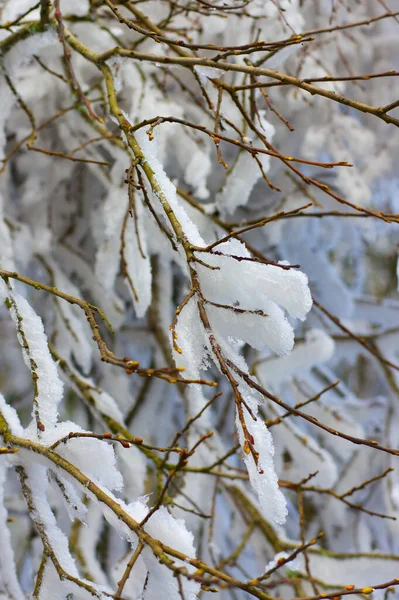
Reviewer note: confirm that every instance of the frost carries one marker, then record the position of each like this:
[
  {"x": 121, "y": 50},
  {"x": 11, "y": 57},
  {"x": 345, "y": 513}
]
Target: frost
[
  {"x": 8, "y": 572},
  {"x": 262, "y": 474},
  {"x": 38, "y": 359},
  {"x": 11, "y": 417},
  {"x": 72, "y": 501},
  {"x": 244, "y": 318},
  {"x": 95, "y": 458},
  {"x": 14, "y": 59},
  {"x": 196, "y": 173},
  {"x": 188, "y": 343},
  {"x": 293, "y": 565},
  {"x": 317, "y": 349},
  {"x": 36, "y": 480},
  {"x": 6, "y": 250},
  {"x": 71, "y": 322},
  {"x": 205, "y": 73},
  {"x": 108, "y": 256},
  {"x": 244, "y": 174},
  {"x": 138, "y": 266},
  {"x": 133, "y": 467},
  {"x": 149, "y": 149},
  {"x": 89, "y": 538},
  {"x": 171, "y": 532},
  {"x": 264, "y": 323},
  {"x": 75, "y": 7}
]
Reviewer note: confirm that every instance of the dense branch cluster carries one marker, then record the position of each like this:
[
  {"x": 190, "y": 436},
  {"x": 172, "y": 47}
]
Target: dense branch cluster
[{"x": 199, "y": 381}]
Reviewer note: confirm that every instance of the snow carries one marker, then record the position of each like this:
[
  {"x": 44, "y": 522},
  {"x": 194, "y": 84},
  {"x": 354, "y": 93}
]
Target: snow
[
  {"x": 317, "y": 349},
  {"x": 273, "y": 331},
  {"x": 72, "y": 322},
  {"x": 172, "y": 532},
  {"x": 307, "y": 455},
  {"x": 8, "y": 572},
  {"x": 52, "y": 587},
  {"x": 14, "y": 59},
  {"x": 95, "y": 458},
  {"x": 262, "y": 476},
  {"x": 244, "y": 173},
  {"x": 269, "y": 288},
  {"x": 108, "y": 255},
  {"x": 196, "y": 173},
  {"x": 11, "y": 417},
  {"x": 205, "y": 73},
  {"x": 166, "y": 188},
  {"x": 75, "y": 7},
  {"x": 189, "y": 339},
  {"x": 12, "y": 10},
  {"x": 6, "y": 249},
  {"x": 240, "y": 182},
  {"x": 75, "y": 508},
  {"x": 75, "y": 216},
  {"x": 80, "y": 268},
  {"x": 50, "y": 387},
  {"x": 104, "y": 403},
  {"x": 133, "y": 467},
  {"x": 293, "y": 565},
  {"x": 360, "y": 571},
  {"x": 36, "y": 482},
  {"x": 135, "y": 584},
  {"x": 89, "y": 538},
  {"x": 137, "y": 258}
]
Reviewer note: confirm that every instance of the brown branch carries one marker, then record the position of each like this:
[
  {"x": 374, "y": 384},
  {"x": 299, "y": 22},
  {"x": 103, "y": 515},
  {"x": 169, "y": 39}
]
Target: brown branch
[
  {"x": 68, "y": 62},
  {"x": 45, "y": 7}
]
